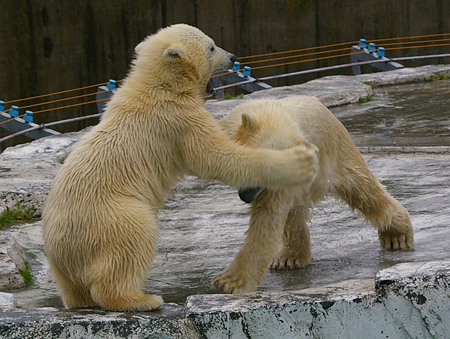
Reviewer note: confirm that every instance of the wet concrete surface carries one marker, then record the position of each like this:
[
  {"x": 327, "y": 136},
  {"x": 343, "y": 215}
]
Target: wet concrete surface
[
  {"x": 406, "y": 115},
  {"x": 203, "y": 224},
  {"x": 343, "y": 245}
]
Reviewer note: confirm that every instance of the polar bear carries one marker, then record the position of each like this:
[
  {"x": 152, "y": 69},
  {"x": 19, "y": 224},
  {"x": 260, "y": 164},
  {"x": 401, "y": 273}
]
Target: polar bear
[
  {"x": 281, "y": 215},
  {"x": 100, "y": 220}
]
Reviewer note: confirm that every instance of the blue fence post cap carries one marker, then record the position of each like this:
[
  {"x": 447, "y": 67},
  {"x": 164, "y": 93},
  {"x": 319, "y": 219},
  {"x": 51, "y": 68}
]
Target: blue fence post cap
[
  {"x": 111, "y": 84},
  {"x": 2, "y": 106},
  {"x": 14, "y": 112},
  {"x": 380, "y": 52},
  {"x": 28, "y": 116},
  {"x": 372, "y": 47},
  {"x": 362, "y": 43},
  {"x": 236, "y": 66},
  {"x": 247, "y": 71}
]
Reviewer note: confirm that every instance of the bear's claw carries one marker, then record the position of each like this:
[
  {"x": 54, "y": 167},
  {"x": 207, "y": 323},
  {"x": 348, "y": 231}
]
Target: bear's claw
[
  {"x": 394, "y": 240},
  {"x": 289, "y": 263}
]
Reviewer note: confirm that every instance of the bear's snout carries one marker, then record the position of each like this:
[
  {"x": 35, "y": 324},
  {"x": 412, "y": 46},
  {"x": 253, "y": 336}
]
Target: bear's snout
[{"x": 228, "y": 59}]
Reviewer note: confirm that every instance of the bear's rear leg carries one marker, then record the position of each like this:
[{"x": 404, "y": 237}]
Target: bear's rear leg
[
  {"x": 72, "y": 295},
  {"x": 111, "y": 298},
  {"x": 76, "y": 297},
  {"x": 296, "y": 250},
  {"x": 361, "y": 190}
]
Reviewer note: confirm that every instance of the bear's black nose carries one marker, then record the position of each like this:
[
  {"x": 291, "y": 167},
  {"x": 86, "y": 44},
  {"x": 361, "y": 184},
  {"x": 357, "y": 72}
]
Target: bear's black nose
[{"x": 233, "y": 58}]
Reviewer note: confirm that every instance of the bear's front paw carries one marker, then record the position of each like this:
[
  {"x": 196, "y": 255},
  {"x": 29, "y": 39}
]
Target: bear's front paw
[
  {"x": 290, "y": 262},
  {"x": 232, "y": 282},
  {"x": 393, "y": 239},
  {"x": 306, "y": 164}
]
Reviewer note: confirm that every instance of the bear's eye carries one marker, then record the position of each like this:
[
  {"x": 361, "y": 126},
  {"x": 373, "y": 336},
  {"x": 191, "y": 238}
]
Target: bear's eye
[{"x": 212, "y": 48}]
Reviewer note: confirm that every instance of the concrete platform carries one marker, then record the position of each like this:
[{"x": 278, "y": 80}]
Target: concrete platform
[{"x": 407, "y": 301}]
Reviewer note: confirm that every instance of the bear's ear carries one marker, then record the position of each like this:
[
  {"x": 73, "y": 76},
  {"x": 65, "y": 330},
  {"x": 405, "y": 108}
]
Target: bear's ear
[
  {"x": 249, "y": 123},
  {"x": 173, "y": 53},
  {"x": 138, "y": 48}
]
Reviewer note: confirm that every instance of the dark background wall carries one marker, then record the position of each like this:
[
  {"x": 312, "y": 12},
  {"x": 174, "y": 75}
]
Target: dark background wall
[{"x": 52, "y": 45}]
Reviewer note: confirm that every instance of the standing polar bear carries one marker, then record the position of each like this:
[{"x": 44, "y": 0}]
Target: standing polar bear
[
  {"x": 280, "y": 215},
  {"x": 99, "y": 223}
]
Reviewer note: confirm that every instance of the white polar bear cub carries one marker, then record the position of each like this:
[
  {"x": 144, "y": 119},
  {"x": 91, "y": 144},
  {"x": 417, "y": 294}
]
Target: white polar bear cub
[
  {"x": 280, "y": 215},
  {"x": 100, "y": 220}
]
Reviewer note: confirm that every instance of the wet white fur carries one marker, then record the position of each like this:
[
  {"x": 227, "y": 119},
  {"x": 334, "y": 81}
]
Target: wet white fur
[{"x": 281, "y": 216}]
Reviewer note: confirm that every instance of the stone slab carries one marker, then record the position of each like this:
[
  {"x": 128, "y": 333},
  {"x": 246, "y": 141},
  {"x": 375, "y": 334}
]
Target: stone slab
[
  {"x": 403, "y": 75},
  {"x": 27, "y": 170},
  {"x": 407, "y": 301},
  {"x": 7, "y": 301},
  {"x": 12, "y": 259},
  {"x": 93, "y": 324}
]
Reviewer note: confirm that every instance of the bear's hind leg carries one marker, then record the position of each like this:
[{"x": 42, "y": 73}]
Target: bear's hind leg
[
  {"x": 117, "y": 280},
  {"x": 361, "y": 190},
  {"x": 296, "y": 250},
  {"x": 113, "y": 298},
  {"x": 72, "y": 294},
  {"x": 118, "y": 273}
]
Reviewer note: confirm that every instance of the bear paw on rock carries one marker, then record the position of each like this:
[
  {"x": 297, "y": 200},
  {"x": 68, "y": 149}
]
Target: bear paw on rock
[
  {"x": 392, "y": 239},
  {"x": 234, "y": 282}
]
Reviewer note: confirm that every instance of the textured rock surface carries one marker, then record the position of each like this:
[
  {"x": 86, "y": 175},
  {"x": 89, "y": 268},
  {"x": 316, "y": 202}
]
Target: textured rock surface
[
  {"x": 94, "y": 324},
  {"x": 12, "y": 258},
  {"x": 403, "y": 75},
  {"x": 7, "y": 301},
  {"x": 27, "y": 171},
  {"x": 408, "y": 301}
]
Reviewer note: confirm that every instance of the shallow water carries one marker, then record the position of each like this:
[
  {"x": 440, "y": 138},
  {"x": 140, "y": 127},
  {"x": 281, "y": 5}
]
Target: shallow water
[{"x": 203, "y": 225}]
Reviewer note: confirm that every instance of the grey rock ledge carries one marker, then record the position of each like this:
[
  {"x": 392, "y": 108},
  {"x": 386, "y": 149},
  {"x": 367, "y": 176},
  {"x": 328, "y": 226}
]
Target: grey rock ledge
[{"x": 406, "y": 301}]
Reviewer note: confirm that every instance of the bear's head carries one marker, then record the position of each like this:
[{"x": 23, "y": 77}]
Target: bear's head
[
  {"x": 263, "y": 124},
  {"x": 180, "y": 56}
]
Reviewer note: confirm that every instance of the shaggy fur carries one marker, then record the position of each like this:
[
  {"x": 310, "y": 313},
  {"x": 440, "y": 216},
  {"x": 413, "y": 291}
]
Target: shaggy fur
[
  {"x": 282, "y": 215},
  {"x": 100, "y": 224}
]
